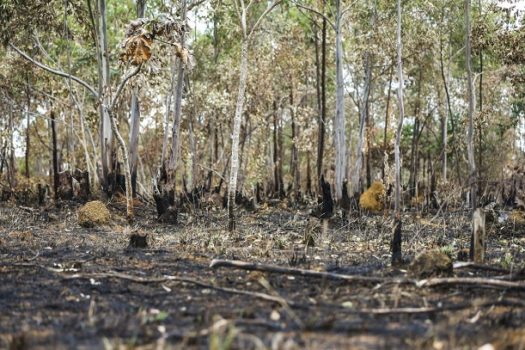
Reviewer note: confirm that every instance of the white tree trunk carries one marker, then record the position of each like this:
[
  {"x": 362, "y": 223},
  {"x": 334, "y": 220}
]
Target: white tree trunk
[
  {"x": 363, "y": 112},
  {"x": 339, "y": 123},
  {"x": 471, "y": 108},
  {"x": 106, "y": 137},
  {"x": 234, "y": 169},
  {"x": 175, "y": 141}
]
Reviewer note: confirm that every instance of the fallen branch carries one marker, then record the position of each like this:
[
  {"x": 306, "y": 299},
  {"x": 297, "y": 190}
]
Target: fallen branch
[
  {"x": 169, "y": 278},
  {"x": 466, "y": 281},
  {"x": 473, "y": 265},
  {"x": 300, "y": 272},
  {"x": 283, "y": 302}
]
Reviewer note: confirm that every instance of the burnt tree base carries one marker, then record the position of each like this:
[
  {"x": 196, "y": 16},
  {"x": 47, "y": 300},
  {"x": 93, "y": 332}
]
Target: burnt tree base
[
  {"x": 166, "y": 212},
  {"x": 397, "y": 257}
]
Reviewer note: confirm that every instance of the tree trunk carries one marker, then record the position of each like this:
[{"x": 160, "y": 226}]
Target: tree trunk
[
  {"x": 396, "y": 241},
  {"x": 296, "y": 179},
  {"x": 56, "y": 179},
  {"x": 322, "y": 115},
  {"x": 106, "y": 136},
  {"x": 363, "y": 112},
  {"x": 232, "y": 186},
  {"x": 414, "y": 152},
  {"x": 339, "y": 122},
  {"x": 135, "y": 118},
  {"x": 387, "y": 115},
  {"x": 28, "y": 140},
  {"x": 471, "y": 108}
]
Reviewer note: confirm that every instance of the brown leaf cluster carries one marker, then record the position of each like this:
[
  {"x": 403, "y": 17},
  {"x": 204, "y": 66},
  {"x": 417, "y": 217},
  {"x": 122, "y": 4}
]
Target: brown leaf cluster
[{"x": 137, "y": 49}]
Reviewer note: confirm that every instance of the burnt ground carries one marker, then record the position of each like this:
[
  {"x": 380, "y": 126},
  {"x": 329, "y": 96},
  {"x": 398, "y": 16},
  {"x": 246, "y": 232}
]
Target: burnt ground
[{"x": 64, "y": 286}]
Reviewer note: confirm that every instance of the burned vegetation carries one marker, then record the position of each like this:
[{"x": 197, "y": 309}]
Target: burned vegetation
[{"x": 262, "y": 175}]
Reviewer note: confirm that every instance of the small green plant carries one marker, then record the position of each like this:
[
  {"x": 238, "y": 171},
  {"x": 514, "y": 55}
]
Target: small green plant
[
  {"x": 448, "y": 249},
  {"x": 508, "y": 261},
  {"x": 222, "y": 335}
]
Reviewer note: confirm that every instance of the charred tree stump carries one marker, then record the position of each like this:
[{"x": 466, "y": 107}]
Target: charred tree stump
[
  {"x": 478, "y": 237},
  {"x": 81, "y": 188},
  {"x": 65, "y": 185},
  {"x": 166, "y": 211},
  {"x": 397, "y": 257},
  {"x": 138, "y": 241}
]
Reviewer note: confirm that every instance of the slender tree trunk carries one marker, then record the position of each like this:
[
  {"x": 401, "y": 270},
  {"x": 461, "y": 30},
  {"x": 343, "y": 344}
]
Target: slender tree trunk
[
  {"x": 415, "y": 141},
  {"x": 106, "y": 136},
  {"x": 387, "y": 115},
  {"x": 28, "y": 140},
  {"x": 445, "y": 115},
  {"x": 54, "y": 155},
  {"x": 471, "y": 108},
  {"x": 169, "y": 96},
  {"x": 339, "y": 122},
  {"x": 127, "y": 168},
  {"x": 363, "y": 112},
  {"x": 322, "y": 115},
  {"x": 135, "y": 118},
  {"x": 296, "y": 179},
  {"x": 232, "y": 187},
  {"x": 12, "y": 165},
  {"x": 175, "y": 141},
  {"x": 396, "y": 240}
]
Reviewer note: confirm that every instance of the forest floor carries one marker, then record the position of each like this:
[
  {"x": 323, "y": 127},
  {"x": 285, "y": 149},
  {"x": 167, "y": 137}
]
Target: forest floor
[{"x": 65, "y": 286}]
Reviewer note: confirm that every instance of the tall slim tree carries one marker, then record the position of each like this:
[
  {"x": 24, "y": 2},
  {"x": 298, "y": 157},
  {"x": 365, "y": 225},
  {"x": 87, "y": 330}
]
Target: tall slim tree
[
  {"x": 471, "y": 108},
  {"x": 135, "y": 117},
  {"x": 396, "y": 239},
  {"x": 247, "y": 33}
]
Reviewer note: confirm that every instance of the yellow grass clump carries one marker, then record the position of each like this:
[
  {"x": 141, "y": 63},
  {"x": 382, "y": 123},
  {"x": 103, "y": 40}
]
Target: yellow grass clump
[
  {"x": 372, "y": 199},
  {"x": 92, "y": 214}
]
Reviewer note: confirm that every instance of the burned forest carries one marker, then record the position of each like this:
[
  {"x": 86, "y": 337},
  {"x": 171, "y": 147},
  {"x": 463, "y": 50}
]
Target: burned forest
[{"x": 247, "y": 174}]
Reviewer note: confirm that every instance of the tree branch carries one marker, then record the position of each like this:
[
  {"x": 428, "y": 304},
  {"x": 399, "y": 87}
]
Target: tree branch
[
  {"x": 54, "y": 71},
  {"x": 267, "y": 11},
  {"x": 322, "y": 15},
  {"x": 122, "y": 84}
]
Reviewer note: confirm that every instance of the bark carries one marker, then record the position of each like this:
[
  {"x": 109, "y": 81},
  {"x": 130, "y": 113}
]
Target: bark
[
  {"x": 471, "y": 108},
  {"x": 339, "y": 122}
]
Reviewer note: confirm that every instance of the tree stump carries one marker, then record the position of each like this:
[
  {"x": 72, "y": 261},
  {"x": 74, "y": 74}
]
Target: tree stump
[
  {"x": 65, "y": 185},
  {"x": 478, "y": 237}
]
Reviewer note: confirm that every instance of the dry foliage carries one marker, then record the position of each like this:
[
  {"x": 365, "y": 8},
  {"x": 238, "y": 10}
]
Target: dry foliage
[
  {"x": 92, "y": 214},
  {"x": 137, "y": 49},
  {"x": 372, "y": 199}
]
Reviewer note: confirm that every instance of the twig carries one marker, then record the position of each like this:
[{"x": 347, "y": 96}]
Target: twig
[{"x": 299, "y": 272}]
